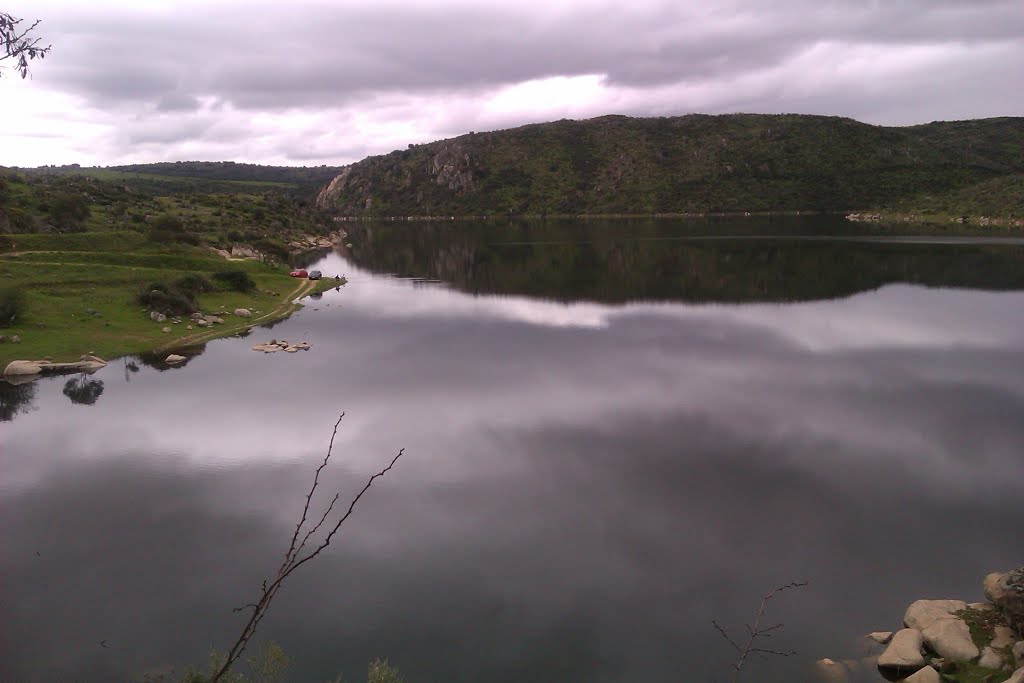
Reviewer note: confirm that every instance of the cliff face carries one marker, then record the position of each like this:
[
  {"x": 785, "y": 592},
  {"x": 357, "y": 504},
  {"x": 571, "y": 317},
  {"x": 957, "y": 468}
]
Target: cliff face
[{"x": 739, "y": 162}]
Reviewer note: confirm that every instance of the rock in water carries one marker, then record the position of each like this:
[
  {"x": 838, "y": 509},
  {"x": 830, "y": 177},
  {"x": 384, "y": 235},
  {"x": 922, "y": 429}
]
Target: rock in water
[
  {"x": 880, "y": 637},
  {"x": 904, "y": 651},
  {"x": 925, "y": 675},
  {"x": 23, "y": 367},
  {"x": 174, "y": 358},
  {"x": 944, "y": 632}
]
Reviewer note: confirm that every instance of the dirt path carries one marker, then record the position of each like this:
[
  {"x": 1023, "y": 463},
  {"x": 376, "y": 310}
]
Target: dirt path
[{"x": 284, "y": 309}]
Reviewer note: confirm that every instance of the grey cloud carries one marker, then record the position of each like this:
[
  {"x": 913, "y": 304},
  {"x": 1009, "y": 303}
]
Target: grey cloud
[
  {"x": 330, "y": 55},
  {"x": 175, "y": 102}
]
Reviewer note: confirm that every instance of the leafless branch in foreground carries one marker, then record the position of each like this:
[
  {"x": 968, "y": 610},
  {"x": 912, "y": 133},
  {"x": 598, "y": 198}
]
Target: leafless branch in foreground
[
  {"x": 294, "y": 557},
  {"x": 755, "y": 631}
]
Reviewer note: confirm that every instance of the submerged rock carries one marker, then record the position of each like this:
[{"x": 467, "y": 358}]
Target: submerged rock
[{"x": 880, "y": 637}]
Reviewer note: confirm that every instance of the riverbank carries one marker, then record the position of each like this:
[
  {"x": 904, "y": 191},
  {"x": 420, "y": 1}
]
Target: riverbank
[
  {"x": 79, "y": 295},
  {"x": 953, "y": 640}
]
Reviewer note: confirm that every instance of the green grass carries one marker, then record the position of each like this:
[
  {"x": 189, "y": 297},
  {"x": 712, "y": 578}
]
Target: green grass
[{"x": 81, "y": 301}]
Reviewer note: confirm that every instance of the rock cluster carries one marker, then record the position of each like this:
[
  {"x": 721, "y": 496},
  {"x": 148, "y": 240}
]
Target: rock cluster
[
  {"x": 274, "y": 346},
  {"x": 937, "y": 638}
]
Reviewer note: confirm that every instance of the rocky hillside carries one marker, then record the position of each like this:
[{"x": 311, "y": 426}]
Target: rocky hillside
[{"x": 695, "y": 163}]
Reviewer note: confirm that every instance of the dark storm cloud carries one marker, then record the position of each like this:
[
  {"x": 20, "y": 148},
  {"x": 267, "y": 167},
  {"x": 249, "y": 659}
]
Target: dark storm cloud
[{"x": 308, "y": 54}]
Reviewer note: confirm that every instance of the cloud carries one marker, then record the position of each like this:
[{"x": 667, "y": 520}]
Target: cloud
[{"x": 446, "y": 65}]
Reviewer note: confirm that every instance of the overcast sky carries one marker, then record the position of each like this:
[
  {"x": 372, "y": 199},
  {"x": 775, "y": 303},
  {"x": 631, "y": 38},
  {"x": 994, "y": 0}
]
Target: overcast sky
[{"x": 309, "y": 82}]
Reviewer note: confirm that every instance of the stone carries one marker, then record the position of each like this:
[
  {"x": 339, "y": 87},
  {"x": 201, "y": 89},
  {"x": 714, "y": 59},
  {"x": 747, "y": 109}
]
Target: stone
[
  {"x": 157, "y": 316},
  {"x": 292, "y": 349},
  {"x": 1017, "y": 676},
  {"x": 3, "y": 338},
  {"x": 174, "y": 358},
  {"x": 196, "y": 316},
  {"x": 1018, "y": 653},
  {"x": 212, "y": 319},
  {"x": 925, "y": 675},
  {"x": 15, "y": 339},
  {"x": 1006, "y": 591},
  {"x": 202, "y": 323},
  {"x": 904, "y": 651},
  {"x": 990, "y": 659},
  {"x": 981, "y": 606},
  {"x": 880, "y": 637},
  {"x": 165, "y": 330},
  {"x": 23, "y": 367},
  {"x": 92, "y": 358},
  {"x": 188, "y": 327},
  {"x": 243, "y": 312},
  {"x": 1002, "y": 637},
  {"x": 832, "y": 671},
  {"x": 945, "y": 633}
]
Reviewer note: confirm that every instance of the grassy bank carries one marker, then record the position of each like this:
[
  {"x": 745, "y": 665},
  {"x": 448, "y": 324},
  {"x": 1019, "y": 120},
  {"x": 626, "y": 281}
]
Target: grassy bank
[{"x": 80, "y": 294}]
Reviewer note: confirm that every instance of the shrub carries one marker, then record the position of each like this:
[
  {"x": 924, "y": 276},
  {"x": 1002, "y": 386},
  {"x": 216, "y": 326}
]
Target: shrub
[
  {"x": 192, "y": 285},
  {"x": 167, "y": 300},
  {"x": 69, "y": 211},
  {"x": 12, "y": 304},
  {"x": 236, "y": 280}
]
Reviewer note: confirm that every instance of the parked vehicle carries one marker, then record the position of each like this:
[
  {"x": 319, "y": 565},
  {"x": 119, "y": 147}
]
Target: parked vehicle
[
  {"x": 315, "y": 275},
  {"x": 299, "y": 273}
]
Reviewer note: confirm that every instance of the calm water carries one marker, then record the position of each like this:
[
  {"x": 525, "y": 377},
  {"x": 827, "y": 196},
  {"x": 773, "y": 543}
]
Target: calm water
[{"x": 614, "y": 434}]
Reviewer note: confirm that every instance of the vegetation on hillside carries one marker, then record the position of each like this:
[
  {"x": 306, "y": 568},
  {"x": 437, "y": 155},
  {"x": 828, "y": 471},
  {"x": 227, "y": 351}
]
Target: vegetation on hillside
[{"x": 695, "y": 163}]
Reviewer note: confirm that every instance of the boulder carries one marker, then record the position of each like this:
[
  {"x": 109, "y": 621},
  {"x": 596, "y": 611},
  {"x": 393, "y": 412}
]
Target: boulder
[
  {"x": 880, "y": 637},
  {"x": 990, "y": 659},
  {"x": 945, "y": 633},
  {"x": 202, "y": 323},
  {"x": 196, "y": 316},
  {"x": 904, "y": 651},
  {"x": 925, "y": 675},
  {"x": 1017, "y": 676},
  {"x": 1018, "y": 653},
  {"x": 1006, "y": 591},
  {"x": 23, "y": 367},
  {"x": 214, "y": 320},
  {"x": 1002, "y": 637},
  {"x": 243, "y": 312},
  {"x": 157, "y": 316},
  {"x": 174, "y": 358}
]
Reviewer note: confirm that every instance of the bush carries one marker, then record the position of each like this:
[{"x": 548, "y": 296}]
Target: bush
[
  {"x": 192, "y": 285},
  {"x": 236, "y": 280},
  {"x": 69, "y": 211},
  {"x": 167, "y": 300},
  {"x": 12, "y": 305}
]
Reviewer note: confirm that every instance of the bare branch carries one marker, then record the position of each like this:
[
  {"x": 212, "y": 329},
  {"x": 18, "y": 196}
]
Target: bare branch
[
  {"x": 292, "y": 560},
  {"x": 755, "y": 631}
]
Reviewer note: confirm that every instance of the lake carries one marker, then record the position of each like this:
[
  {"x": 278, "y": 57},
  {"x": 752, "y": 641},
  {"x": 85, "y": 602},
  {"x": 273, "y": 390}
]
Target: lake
[{"x": 615, "y": 432}]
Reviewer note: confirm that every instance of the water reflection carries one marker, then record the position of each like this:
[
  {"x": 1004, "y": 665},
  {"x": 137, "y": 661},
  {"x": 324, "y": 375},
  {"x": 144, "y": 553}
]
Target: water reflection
[
  {"x": 661, "y": 260},
  {"x": 82, "y": 390},
  {"x": 587, "y": 485}
]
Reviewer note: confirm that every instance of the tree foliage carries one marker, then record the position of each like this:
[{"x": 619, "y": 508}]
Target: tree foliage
[
  {"x": 69, "y": 211},
  {"x": 18, "y": 43}
]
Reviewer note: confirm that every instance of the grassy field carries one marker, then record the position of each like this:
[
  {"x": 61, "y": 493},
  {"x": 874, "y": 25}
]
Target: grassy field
[{"x": 80, "y": 294}]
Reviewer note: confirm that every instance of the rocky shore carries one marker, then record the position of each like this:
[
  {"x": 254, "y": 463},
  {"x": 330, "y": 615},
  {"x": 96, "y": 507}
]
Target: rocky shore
[{"x": 956, "y": 641}]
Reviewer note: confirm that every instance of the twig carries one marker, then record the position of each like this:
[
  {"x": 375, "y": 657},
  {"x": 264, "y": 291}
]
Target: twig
[
  {"x": 756, "y": 631},
  {"x": 294, "y": 558}
]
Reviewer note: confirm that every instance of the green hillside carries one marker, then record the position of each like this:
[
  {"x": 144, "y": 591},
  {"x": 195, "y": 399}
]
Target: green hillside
[{"x": 695, "y": 163}]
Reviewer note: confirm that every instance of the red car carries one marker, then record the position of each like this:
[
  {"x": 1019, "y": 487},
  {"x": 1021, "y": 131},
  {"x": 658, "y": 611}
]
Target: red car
[{"x": 299, "y": 273}]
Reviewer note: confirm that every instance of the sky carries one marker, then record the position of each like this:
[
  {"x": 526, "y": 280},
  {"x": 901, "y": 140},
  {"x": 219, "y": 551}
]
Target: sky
[{"x": 311, "y": 82}]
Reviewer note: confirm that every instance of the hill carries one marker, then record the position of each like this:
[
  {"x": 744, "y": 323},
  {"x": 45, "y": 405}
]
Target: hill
[{"x": 694, "y": 163}]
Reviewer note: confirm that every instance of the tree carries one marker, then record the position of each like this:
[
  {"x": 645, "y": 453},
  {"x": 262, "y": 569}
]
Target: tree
[
  {"x": 18, "y": 44},
  {"x": 69, "y": 211}
]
